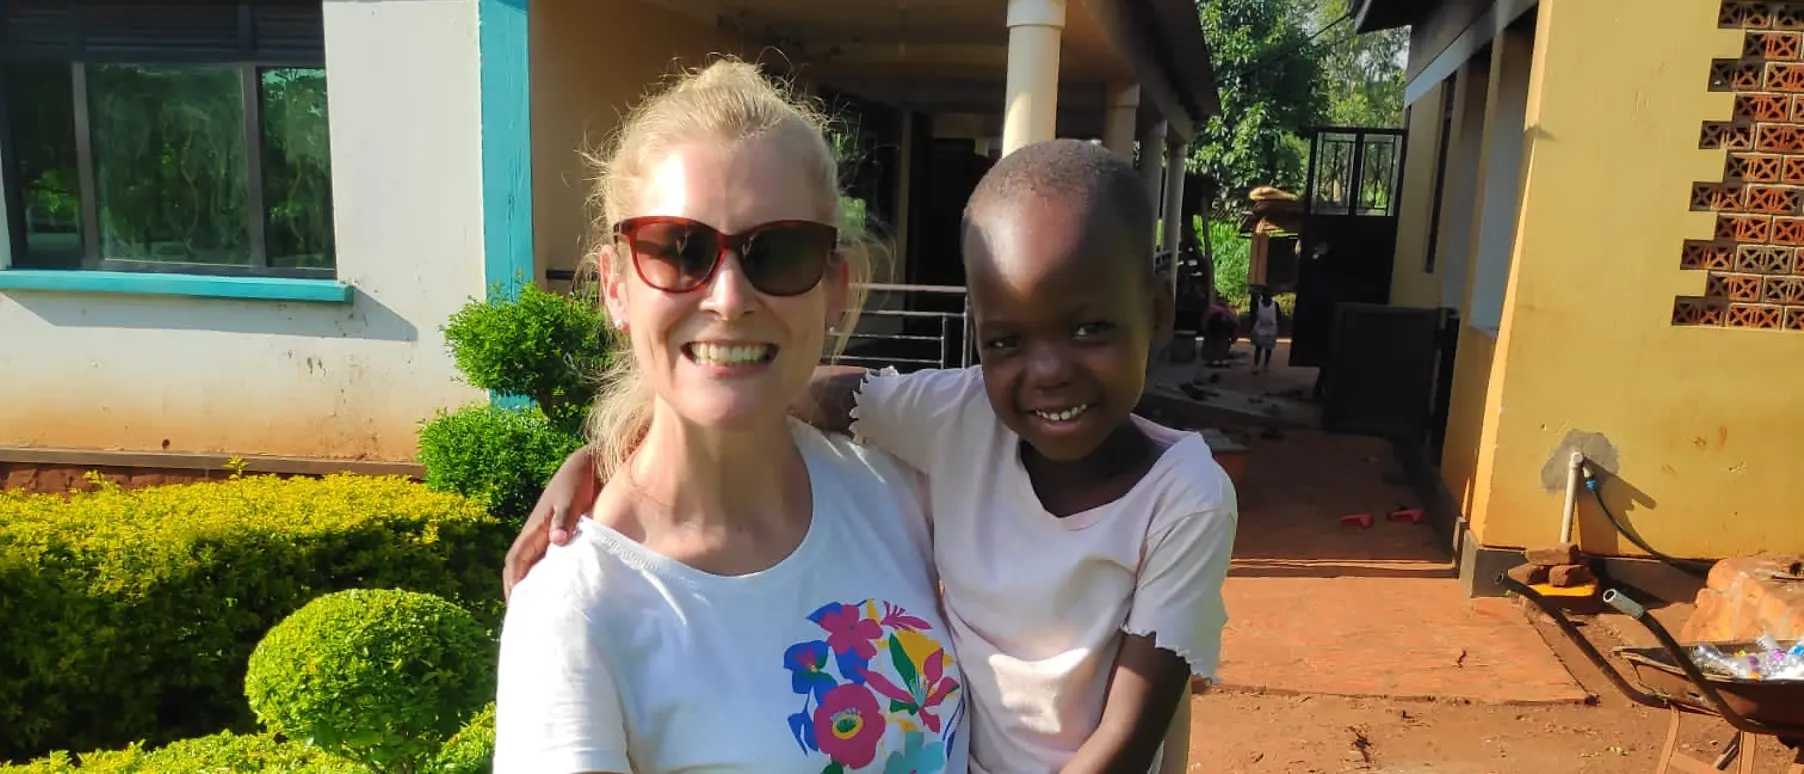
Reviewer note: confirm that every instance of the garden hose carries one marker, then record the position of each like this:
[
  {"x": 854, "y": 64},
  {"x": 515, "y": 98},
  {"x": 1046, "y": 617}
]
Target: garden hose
[{"x": 1693, "y": 567}]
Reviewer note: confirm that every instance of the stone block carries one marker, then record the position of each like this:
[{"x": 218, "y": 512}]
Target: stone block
[
  {"x": 1528, "y": 574},
  {"x": 1569, "y": 575},
  {"x": 1552, "y": 556}
]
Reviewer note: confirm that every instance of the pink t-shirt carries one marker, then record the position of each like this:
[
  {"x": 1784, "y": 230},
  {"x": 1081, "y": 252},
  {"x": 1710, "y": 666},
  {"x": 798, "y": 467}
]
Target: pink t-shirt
[{"x": 1036, "y": 603}]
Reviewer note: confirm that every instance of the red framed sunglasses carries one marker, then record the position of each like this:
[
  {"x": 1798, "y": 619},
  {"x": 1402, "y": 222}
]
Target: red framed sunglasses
[{"x": 677, "y": 255}]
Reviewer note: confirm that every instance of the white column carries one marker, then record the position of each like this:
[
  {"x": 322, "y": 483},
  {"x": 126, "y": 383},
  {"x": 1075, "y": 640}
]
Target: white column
[
  {"x": 6, "y": 238},
  {"x": 1030, "y": 112},
  {"x": 1120, "y": 121},
  {"x": 1152, "y": 162},
  {"x": 1172, "y": 218}
]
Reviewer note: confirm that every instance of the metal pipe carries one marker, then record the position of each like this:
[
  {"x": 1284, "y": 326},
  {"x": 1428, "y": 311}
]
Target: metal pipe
[{"x": 1573, "y": 472}]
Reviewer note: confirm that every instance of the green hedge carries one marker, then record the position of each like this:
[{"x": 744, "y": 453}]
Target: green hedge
[
  {"x": 497, "y": 455},
  {"x": 380, "y": 676},
  {"x": 131, "y": 615},
  {"x": 223, "y": 753}
]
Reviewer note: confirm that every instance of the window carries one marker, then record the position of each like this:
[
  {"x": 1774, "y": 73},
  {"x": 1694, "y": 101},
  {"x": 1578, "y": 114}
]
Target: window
[{"x": 185, "y": 137}]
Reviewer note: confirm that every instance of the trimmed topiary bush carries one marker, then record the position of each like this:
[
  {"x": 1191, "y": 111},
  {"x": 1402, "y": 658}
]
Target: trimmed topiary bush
[
  {"x": 224, "y": 753},
  {"x": 131, "y": 615},
  {"x": 379, "y": 676},
  {"x": 538, "y": 345},
  {"x": 496, "y": 455}
]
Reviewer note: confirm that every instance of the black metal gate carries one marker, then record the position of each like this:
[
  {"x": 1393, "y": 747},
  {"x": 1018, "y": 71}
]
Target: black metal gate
[{"x": 1349, "y": 231}]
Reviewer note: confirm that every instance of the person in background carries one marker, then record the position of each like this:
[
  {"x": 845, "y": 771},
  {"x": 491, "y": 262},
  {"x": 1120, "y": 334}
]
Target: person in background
[{"x": 1266, "y": 317}]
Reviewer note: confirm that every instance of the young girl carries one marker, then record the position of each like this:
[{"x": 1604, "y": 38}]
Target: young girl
[
  {"x": 1082, "y": 548},
  {"x": 1265, "y": 330}
]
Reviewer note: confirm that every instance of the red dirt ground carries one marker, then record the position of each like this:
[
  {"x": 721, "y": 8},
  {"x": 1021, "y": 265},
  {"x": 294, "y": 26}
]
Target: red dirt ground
[{"x": 1279, "y": 711}]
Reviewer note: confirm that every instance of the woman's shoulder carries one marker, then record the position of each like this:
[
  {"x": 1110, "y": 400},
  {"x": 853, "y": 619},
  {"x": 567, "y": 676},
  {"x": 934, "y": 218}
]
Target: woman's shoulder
[{"x": 845, "y": 458}]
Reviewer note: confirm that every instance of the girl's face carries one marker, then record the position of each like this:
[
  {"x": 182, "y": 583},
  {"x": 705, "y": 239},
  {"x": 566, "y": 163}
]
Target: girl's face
[{"x": 716, "y": 348}]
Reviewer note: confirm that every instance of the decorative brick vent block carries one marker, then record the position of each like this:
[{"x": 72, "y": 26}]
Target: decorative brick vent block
[{"x": 1754, "y": 260}]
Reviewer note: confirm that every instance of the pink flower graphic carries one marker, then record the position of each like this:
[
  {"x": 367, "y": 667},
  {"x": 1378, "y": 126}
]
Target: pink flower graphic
[
  {"x": 848, "y": 725},
  {"x": 849, "y": 631}
]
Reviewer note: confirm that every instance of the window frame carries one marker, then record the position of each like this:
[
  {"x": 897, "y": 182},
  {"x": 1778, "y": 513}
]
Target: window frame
[{"x": 79, "y": 56}]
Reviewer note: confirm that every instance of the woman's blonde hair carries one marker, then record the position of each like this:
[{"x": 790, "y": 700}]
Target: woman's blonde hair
[{"x": 729, "y": 101}]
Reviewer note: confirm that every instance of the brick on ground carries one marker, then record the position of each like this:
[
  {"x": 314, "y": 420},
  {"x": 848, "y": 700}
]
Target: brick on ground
[
  {"x": 1568, "y": 575},
  {"x": 1552, "y": 556},
  {"x": 1744, "y": 600}
]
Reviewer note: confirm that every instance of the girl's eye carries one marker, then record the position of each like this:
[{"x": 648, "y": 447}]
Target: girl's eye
[
  {"x": 1093, "y": 329},
  {"x": 1004, "y": 342}
]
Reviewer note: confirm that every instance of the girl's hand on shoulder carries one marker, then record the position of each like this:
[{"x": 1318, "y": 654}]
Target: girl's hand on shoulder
[{"x": 570, "y": 492}]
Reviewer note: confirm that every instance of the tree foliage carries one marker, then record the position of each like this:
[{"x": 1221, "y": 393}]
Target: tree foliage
[{"x": 1283, "y": 66}]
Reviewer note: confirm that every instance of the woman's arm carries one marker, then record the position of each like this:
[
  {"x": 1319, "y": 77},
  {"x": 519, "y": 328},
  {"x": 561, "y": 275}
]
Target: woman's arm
[{"x": 1145, "y": 690}]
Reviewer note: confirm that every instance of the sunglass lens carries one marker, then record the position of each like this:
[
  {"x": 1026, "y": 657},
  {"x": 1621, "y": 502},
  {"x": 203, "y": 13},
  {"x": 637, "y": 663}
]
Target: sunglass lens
[
  {"x": 675, "y": 257},
  {"x": 788, "y": 260}
]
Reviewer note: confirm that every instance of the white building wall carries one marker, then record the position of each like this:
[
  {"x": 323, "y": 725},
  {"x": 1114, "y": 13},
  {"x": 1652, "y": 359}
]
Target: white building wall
[{"x": 131, "y": 372}]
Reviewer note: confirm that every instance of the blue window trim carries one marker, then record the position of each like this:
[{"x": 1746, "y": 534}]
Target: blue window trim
[
  {"x": 322, "y": 291},
  {"x": 507, "y": 259}
]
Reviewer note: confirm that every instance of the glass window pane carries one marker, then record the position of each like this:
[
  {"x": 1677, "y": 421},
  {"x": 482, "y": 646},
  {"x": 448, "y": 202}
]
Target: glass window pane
[
  {"x": 169, "y": 163},
  {"x": 41, "y": 116},
  {"x": 297, "y": 169}
]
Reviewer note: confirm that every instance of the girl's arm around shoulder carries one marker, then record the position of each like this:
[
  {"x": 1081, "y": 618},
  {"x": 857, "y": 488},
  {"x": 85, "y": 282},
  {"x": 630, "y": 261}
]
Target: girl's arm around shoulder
[{"x": 907, "y": 415}]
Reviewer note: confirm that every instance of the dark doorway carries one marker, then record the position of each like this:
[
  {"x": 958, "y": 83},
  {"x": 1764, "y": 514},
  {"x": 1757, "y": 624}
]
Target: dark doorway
[{"x": 1349, "y": 232}]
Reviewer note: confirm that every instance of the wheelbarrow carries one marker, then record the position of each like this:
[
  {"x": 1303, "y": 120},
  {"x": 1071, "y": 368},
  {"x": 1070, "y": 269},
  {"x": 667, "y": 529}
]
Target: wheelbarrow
[{"x": 1666, "y": 678}]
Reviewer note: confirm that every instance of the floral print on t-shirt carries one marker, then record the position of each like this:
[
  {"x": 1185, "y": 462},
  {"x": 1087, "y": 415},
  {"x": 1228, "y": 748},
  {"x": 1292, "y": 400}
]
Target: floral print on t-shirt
[{"x": 878, "y": 692}]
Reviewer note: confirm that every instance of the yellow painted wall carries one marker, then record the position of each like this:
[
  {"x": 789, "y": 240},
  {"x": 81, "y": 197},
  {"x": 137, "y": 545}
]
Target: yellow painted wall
[
  {"x": 1708, "y": 423},
  {"x": 1410, "y": 285},
  {"x": 591, "y": 61}
]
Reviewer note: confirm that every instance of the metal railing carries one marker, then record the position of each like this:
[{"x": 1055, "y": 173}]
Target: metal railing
[
  {"x": 909, "y": 327},
  {"x": 912, "y": 327}
]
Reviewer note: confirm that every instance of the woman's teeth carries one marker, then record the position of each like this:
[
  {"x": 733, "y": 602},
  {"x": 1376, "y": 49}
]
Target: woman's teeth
[
  {"x": 1062, "y": 415},
  {"x": 730, "y": 354}
]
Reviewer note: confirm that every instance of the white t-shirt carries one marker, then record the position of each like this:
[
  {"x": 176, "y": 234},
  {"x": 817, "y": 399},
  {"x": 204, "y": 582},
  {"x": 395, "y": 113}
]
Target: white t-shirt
[
  {"x": 1037, "y": 603},
  {"x": 1265, "y": 318},
  {"x": 618, "y": 659}
]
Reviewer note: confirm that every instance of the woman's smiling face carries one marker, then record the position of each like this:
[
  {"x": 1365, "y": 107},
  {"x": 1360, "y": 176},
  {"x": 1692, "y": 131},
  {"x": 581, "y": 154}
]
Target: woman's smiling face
[{"x": 726, "y": 354}]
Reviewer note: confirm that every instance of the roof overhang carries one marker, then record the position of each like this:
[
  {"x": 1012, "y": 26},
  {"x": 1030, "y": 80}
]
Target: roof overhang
[
  {"x": 1375, "y": 15},
  {"x": 1163, "y": 42}
]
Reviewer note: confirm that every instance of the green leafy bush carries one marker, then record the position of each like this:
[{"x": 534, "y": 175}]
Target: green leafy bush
[
  {"x": 132, "y": 615},
  {"x": 224, "y": 753},
  {"x": 496, "y": 455},
  {"x": 379, "y": 676},
  {"x": 538, "y": 345},
  {"x": 472, "y": 750}
]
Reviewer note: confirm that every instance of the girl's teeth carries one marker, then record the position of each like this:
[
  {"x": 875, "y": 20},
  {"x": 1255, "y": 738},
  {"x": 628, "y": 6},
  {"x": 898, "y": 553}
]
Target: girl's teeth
[
  {"x": 729, "y": 354},
  {"x": 1065, "y": 415}
]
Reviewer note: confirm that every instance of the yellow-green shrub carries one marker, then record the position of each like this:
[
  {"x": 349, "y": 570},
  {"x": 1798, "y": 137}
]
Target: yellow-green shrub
[
  {"x": 472, "y": 750},
  {"x": 131, "y": 615},
  {"x": 223, "y": 753},
  {"x": 379, "y": 676}
]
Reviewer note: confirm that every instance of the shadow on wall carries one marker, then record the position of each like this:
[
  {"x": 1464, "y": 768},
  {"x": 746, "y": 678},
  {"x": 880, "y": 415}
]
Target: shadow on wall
[{"x": 363, "y": 318}]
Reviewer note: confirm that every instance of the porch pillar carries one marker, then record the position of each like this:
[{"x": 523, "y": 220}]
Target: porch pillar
[
  {"x": 1152, "y": 161},
  {"x": 1123, "y": 115},
  {"x": 1030, "y": 112},
  {"x": 1172, "y": 217}
]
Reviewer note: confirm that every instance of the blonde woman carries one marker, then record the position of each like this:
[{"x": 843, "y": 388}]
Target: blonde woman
[{"x": 746, "y": 594}]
